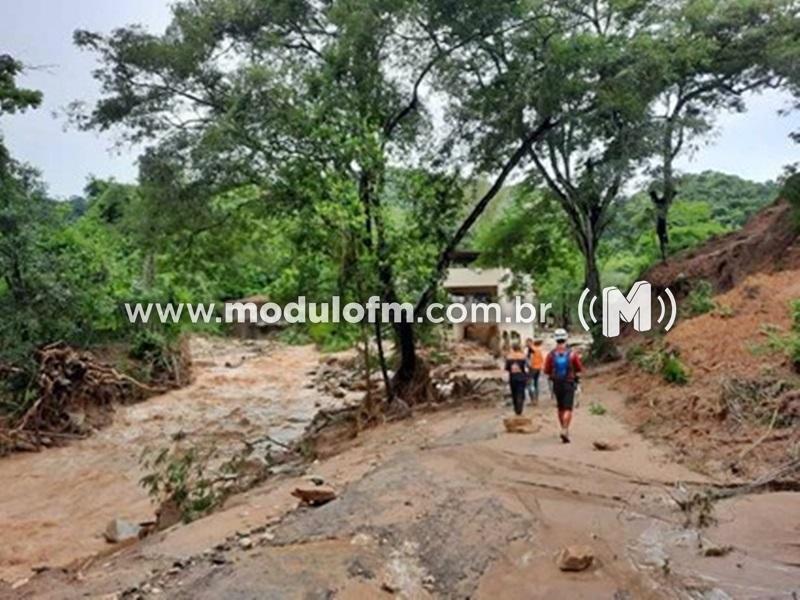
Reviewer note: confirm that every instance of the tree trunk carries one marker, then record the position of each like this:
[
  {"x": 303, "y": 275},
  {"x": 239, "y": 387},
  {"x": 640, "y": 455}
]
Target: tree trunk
[
  {"x": 603, "y": 348},
  {"x": 664, "y": 201},
  {"x": 661, "y": 204},
  {"x": 387, "y": 382}
]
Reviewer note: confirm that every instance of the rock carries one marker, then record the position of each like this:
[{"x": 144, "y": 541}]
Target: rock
[
  {"x": 339, "y": 393},
  {"x": 314, "y": 495},
  {"x": 120, "y": 530},
  {"x": 605, "y": 445},
  {"x": 246, "y": 543},
  {"x": 429, "y": 582},
  {"x": 714, "y": 550},
  {"x": 575, "y": 558},
  {"x": 519, "y": 425},
  {"x": 316, "y": 480}
]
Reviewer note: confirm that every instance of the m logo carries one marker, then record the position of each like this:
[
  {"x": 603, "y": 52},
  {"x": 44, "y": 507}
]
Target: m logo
[{"x": 634, "y": 308}]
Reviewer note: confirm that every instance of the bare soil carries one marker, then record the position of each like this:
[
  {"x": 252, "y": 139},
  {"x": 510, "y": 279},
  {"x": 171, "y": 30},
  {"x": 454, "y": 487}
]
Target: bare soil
[
  {"x": 728, "y": 348},
  {"x": 767, "y": 243}
]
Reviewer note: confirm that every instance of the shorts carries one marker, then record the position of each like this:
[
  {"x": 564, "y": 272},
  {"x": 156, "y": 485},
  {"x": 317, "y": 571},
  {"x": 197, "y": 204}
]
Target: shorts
[{"x": 564, "y": 392}]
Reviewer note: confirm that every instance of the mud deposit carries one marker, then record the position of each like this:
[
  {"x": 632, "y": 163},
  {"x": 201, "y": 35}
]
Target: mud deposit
[
  {"x": 448, "y": 505},
  {"x": 55, "y": 504}
]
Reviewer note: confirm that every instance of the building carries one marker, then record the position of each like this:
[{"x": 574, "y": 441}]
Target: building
[{"x": 470, "y": 285}]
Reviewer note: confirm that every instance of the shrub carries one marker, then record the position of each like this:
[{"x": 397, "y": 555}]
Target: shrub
[
  {"x": 660, "y": 361},
  {"x": 699, "y": 300},
  {"x": 181, "y": 476},
  {"x": 794, "y": 307},
  {"x": 673, "y": 370},
  {"x": 725, "y": 311},
  {"x": 597, "y": 409},
  {"x": 791, "y": 192}
]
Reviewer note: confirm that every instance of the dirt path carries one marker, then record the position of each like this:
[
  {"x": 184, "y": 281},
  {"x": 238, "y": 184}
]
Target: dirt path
[
  {"x": 449, "y": 505},
  {"x": 55, "y": 504}
]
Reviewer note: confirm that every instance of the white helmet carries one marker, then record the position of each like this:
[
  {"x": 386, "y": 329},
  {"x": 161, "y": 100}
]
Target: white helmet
[{"x": 560, "y": 335}]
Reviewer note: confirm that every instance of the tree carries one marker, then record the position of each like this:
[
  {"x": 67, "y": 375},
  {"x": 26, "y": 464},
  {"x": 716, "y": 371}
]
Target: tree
[
  {"x": 313, "y": 103},
  {"x": 531, "y": 236},
  {"x": 713, "y": 53},
  {"x": 600, "y": 86},
  {"x": 12, "y": 97}
]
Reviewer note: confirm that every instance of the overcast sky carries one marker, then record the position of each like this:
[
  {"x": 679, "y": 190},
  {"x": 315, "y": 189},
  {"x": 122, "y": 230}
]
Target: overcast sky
[{"x": 39, "y": 32}]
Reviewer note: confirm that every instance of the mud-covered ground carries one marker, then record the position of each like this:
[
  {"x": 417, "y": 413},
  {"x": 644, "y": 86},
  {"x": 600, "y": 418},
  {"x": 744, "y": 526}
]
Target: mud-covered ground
[
  {"x": 448, "y": 505},
  {"x": 55, "y": 504}
]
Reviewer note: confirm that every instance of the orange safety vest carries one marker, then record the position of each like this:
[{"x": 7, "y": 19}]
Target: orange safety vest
[{"x": 537, "y": 359}]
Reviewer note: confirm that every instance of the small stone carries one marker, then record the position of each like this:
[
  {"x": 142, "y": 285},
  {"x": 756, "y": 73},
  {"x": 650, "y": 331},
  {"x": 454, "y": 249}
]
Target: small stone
[
  {"x": 714, "y": 550},
  {"x": 246, "y": 543},
  {"x": 605, "y": 445},
  {"x": 314, "y": 495},
  {"x": 519, "y": 425},
  {"x": 316, "y": 480},
  {"x": 389, "y": 587},
  {"x": 19, "y": 583},
  {"x": 120, "y": 530},
  {"x": 575, "y": 558}
]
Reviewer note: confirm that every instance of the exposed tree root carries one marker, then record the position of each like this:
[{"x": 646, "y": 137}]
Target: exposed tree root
[{"x": 72, "y": 388}]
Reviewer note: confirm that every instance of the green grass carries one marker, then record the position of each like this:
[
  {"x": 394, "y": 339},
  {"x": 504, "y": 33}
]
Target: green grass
[{"x": 597, "y": 409}]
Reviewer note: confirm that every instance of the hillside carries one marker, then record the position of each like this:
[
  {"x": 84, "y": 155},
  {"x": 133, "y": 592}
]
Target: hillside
[
  {"x": 767, "y": 243},
  {"x": 738, "y": 412}
]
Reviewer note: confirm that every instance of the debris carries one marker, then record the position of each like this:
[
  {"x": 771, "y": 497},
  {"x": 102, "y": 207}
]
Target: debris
[
  {"x": 267, "y": 536},
  {"x": 714, "y": 550},
  {"x": 605, "y": 445},
  {"x": 429, "y": 582},
  {"x": 120, "y": 530},
  {"x": 314, "y": 495},
  {"x": 575, "y": 558},
  {"x": 316, "y": 479},
  {"x": 519, "y": 425}
]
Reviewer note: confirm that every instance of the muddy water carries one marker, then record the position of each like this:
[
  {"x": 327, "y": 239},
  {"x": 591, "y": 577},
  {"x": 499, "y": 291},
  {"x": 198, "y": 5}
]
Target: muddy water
[{"x": 55, "y": 504}]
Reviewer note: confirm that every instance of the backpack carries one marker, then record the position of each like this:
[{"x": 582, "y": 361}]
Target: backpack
[{"x": 562, "y": 362}]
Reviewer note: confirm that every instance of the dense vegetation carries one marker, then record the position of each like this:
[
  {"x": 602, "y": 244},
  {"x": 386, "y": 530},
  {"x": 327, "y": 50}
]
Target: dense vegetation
[{"x": 297, "y": 148}]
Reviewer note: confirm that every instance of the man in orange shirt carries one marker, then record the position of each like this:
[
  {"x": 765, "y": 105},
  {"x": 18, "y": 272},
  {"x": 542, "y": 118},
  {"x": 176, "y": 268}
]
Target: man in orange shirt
[{"x": 535, "y": 365}]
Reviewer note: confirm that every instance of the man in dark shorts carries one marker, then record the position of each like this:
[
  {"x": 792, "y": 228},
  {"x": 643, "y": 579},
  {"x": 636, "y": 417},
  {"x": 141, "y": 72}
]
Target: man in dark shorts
[{"x": 562, "y": 366}]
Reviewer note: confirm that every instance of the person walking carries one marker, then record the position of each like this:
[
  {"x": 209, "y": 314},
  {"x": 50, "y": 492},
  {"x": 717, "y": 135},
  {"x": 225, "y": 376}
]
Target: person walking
[
  {"x": 535, "y": 364},
  {"x": 517, "y": 367},
  {"x": 563, "y": 366}
]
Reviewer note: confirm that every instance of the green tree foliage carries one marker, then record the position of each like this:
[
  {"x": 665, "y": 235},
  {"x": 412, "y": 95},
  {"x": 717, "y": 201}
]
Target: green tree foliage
[
  {"x": 711, "y": 54},
  {"x": 532, "y": 237},
  {"x": 319, "y": 106}
]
